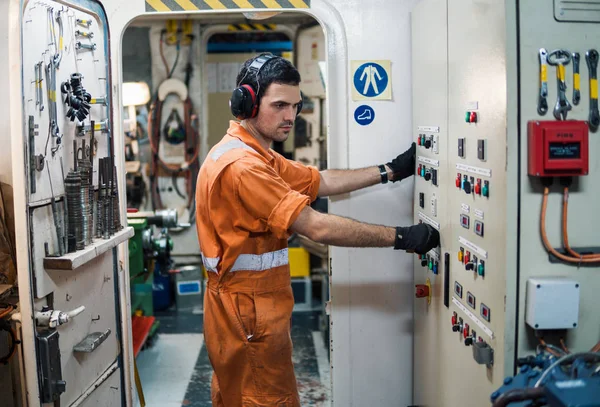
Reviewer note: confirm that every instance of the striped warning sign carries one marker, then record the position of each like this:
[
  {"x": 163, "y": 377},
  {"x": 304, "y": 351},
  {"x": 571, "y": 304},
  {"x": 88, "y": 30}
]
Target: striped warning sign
[
  {"x": 191, "y": 5},
  {"x": 252, "y": 27}
]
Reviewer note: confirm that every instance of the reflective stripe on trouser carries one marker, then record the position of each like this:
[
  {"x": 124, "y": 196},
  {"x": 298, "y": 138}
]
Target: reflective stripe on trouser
[
  {"x": 247, "y": 335},
  {"x": 251, "y": 262}
]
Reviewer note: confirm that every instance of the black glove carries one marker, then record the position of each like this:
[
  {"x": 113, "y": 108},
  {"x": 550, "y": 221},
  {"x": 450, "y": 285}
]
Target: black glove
[
  {"x": 403, "y": 166},
  {"x": 418, "y": 238}
]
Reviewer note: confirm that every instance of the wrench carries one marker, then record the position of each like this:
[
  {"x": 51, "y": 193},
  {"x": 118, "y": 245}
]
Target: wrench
[
  {"x": 84, "y": 23},
  {"x": 576, "y": 79},
  {"x": 562, "y": 58},
  {"x": 591, "y": 57},
  {"x": 542, "y": 107},
  {"x": 37, "y": 82},
  {"x": 58, "y": 56},
  {"x": 39, "y": 90},
  {"x": 80, "y": 45},
  {"x": 84, "y": 34}
]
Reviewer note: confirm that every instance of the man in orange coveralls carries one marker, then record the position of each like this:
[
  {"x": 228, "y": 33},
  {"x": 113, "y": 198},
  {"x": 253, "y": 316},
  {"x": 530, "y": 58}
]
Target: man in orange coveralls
[{"x": 248, "y": 201}]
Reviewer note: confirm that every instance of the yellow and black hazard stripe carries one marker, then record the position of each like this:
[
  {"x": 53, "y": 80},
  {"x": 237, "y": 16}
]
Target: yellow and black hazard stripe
[
  {"x": 252, "y": 27},
  {"x": 193, "y": 5}
]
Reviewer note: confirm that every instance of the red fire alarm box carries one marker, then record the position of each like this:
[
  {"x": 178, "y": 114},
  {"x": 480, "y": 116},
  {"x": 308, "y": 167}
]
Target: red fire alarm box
[{"x": 557, "y": 148}]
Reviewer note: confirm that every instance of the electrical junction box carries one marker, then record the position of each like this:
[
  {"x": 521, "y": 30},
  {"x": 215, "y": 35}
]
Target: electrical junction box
[
  {"x": 557, "y": 148},
  {"x": 552, "y": 303}
]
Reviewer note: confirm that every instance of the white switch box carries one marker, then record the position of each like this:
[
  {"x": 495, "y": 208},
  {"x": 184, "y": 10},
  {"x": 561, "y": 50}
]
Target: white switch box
[
  {"x": 552, "y": 303},
  {"x": 433, "y": 205},
  {"x": 435, "y": 141}
]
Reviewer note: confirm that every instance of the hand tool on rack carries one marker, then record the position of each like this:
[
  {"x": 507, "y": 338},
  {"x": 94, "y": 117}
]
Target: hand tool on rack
[
  {"x": 36, "y": 163},
  {"x": 591, "y": 58},
  {"x": 51, "y": 88},
  {"x": 84, "y": 34},
  {"x": 57, "y": 223},
  {"x": 99, "y": 101},
  {"x": 73, "y": 193},
  {"x": 84, "y": 171},
  {"x": 81, "y": 46},
  {"x": 542, "y": 107},
  {"x": 65, "y": 209},
  {"x": 101, "y": 127},
  {"x": 84, "y": 23},
  {"x": 576, "y": 78},
  {"x": 116, "y": 215},
  {"x": 92, "y": 190},
  {"x": 37, "y": 81},
  {"x": 107, "y": 199},
  {"x": 100, "y": 201},
  {"x": 39, "y": 92},
  {"x": 58, "y": 56},
  {"x": 560, "y": 58}
]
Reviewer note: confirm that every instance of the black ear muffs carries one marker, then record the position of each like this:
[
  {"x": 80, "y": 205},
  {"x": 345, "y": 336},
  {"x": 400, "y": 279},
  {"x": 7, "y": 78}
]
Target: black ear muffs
[
  {"x": 243, "y": 103},
  {"x": 244, "y": 99}
]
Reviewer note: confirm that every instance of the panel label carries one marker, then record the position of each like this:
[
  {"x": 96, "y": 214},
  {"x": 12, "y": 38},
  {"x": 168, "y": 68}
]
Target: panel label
[
  {"x": 465, "y": 208},
  {"x": 486, "y": 172},
  {"x": 479, "y": 213},
  {"x": 476, "y": 320},
  {"x": 473, "y": 105},
  {"x": 429, "y": 129},
  {"x": 428, "y": 220},
  {"x": 473, "y": 247},
  {"x": 435, "y": 163}
]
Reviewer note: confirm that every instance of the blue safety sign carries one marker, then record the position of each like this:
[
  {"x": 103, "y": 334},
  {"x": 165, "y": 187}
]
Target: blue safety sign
[
  {"x": 371, "y": 79},
  {"x": 364, "y": 115}
]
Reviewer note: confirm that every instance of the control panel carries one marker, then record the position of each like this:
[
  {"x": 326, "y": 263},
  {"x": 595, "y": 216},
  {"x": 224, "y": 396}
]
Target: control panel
[{"x": 504, "y": 155}]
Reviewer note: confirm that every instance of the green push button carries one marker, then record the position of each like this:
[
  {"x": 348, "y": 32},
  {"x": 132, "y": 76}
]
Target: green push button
[{"x": 480, "y": 270}]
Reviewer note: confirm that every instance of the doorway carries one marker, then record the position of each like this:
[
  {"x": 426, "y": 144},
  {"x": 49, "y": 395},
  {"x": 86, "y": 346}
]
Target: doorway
[{"x": 191, "y": 63}]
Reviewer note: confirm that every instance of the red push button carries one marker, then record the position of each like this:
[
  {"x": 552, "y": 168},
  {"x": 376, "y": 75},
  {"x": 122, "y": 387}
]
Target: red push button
[
  {"x": 421, "y": 291},
  {"x": 478, "y": 187}
]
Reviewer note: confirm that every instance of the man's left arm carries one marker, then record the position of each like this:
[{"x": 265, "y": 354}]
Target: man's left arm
[{"x": 335, "y": 182}]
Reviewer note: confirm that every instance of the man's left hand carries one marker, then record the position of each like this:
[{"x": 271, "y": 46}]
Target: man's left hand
[{"x": 403, "y": 166}]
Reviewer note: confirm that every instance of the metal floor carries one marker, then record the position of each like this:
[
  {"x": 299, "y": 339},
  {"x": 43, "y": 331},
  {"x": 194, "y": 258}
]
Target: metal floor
[{"x": 175, "y": 370}]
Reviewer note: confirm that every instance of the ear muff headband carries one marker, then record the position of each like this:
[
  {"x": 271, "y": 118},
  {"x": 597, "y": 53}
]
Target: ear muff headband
[{"x": 244, "y": 99}]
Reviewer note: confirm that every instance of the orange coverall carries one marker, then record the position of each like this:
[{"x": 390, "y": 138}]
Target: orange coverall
[{"x": 246, "y": 200}]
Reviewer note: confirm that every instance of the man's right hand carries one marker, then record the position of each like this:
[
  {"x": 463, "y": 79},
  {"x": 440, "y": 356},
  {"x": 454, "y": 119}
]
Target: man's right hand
[{"x": 418, "y": 238}]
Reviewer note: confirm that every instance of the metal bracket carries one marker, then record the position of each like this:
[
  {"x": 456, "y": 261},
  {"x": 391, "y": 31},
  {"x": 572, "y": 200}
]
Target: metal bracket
[{"x": 91, "y": 342}]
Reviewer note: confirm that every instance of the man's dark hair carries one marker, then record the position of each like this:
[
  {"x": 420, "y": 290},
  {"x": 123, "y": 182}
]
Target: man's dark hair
[{"x": 277, "y": 70}]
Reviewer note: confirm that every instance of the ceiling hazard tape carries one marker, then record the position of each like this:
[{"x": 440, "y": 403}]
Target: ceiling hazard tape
[
  {"x": 192, "y": 5},
  {"x": 252, "y": 27}
]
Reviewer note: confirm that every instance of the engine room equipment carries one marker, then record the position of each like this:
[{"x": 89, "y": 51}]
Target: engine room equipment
[
  {"x": 190, "y": 165},
  {"x": 149, "y": 247},
  {"x": 566, "y": 379}
]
